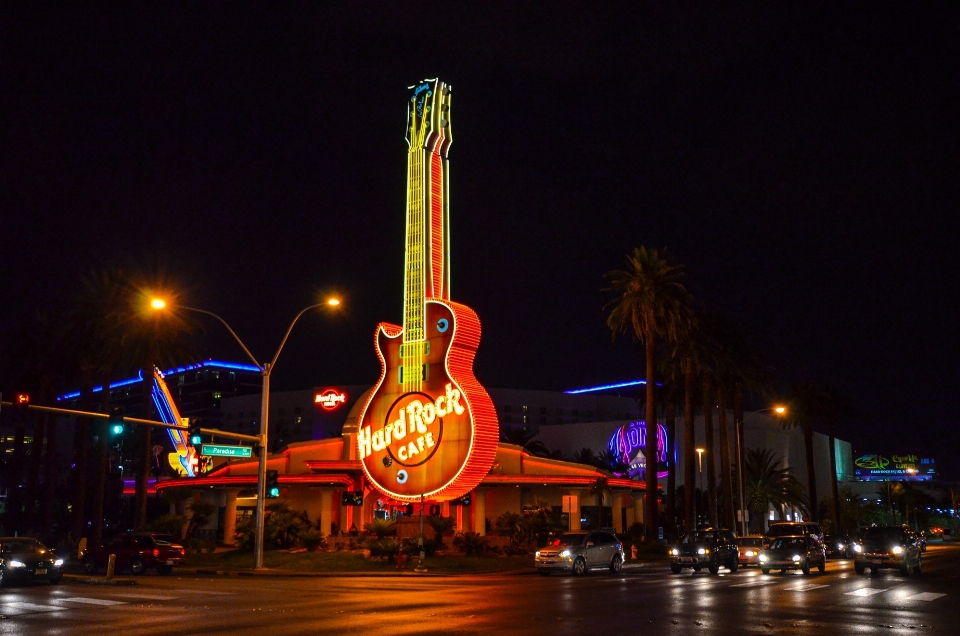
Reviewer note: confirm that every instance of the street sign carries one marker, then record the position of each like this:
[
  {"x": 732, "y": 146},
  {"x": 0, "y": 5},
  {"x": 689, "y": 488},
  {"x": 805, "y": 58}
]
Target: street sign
[{"x": 219, "y": 450}]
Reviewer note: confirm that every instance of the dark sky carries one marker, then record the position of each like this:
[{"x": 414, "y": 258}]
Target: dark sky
[{"x": 801, "y": 159}]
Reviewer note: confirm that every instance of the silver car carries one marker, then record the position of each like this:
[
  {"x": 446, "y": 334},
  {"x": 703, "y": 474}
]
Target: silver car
[{"x": 578, "y": 552}]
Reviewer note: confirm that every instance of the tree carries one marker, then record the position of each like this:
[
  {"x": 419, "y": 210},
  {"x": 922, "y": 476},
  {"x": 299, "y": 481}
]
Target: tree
[
  {"x": 806, "y": 406},
  {"x": 599, "y": 489},
  {"x": 525, "y": 439},
  {"x": 650, "y": 302},
  {"x": 767, "y": 484},
  {"x": 585, "y": 456}
]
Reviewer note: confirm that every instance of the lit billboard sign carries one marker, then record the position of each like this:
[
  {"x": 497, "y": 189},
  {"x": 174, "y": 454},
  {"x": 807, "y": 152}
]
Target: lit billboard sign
[
  {"x": 894, "y": 468},
  {"x": 330, "y": 399},
  {"x": 627, "y": 446}
]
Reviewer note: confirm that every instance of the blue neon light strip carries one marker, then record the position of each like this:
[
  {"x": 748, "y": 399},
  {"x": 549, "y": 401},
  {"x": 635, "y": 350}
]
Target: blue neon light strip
[
  {"x": 190, "y": 367},
  {"x": 606, "y": 386}
]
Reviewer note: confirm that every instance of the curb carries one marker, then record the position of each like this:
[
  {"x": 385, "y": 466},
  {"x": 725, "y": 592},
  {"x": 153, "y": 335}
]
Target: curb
[{"x": 73, "y": 578}]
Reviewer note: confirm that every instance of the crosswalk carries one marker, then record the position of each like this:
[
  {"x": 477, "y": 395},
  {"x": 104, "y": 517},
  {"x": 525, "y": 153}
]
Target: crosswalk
[{"x": 114, "y": 599}]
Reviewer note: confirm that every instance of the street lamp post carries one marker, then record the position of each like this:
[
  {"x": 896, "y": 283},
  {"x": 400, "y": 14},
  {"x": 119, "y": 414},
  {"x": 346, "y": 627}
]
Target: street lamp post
[
  {"x": 265, "y": 370},
  {"x": 779, "y": 410}
]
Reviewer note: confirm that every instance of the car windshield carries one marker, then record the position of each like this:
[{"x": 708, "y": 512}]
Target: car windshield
[
  {"x": 788, "y": 542},
  {"x": 883, "y": 534},
  {"x": 568, "y": 539},
  {"x": 749, "y": 542},
  {"x": 698, "y": 537},
  {"x": 21, "y": 546},
  {"x": 164, "y": 539}
]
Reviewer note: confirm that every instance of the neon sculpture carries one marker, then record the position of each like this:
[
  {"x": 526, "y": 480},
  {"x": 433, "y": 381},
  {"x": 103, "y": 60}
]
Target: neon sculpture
[{"x": 626, "y": 447}]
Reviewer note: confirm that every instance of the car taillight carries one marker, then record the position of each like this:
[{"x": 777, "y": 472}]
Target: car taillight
[
  {"x": 182, "y": 552},
  {"x": 156, "y": 553}
]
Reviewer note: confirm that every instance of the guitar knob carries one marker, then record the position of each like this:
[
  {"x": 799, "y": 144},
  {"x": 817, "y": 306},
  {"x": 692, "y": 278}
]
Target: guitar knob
[{"x": 443, "y": 325}]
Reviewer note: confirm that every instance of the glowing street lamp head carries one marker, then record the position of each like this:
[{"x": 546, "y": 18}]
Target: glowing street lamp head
[
  {"x": 701, "y": 450},
  {"x": 333, "y": 302},
  {"x": 158, "y": 303},
  {"x": 780, "y": 410}
]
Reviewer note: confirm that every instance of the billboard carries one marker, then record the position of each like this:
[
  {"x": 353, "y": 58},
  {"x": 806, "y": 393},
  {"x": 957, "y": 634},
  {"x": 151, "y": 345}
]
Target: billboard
[{"x": 894, "y": 468}]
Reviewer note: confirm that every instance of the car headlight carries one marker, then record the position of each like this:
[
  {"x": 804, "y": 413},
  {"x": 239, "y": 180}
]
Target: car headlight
[
  {"x": 18, "y": 564},
  {"x": 58, "y": 563},
  {"x": 897, "y": 550},
  {"x": 750, "y": 553},
  {"x": 857, "y": 547},
  {"x": 703, "y": 551},
  {"x": 763, "y": 557},
  {"x": 565, "y": 553},
  {"x": 675, "y": 552},
  {"x": 537, "y": 553},
  {"x": 796, "y": 558}
]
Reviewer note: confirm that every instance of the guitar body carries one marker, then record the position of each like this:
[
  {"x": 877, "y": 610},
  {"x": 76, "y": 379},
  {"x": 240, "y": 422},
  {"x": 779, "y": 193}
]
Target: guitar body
[{"x": 442, "y": 425}]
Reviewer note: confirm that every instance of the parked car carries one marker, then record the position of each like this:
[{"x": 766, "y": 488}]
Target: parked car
[
  {"x": 578, "y": 552},
  {"x": 138, "y": 552},
  {"x": 749, "y": 548},
  {"x": 888, "y": 547},
  {"x": 922, "y": 541},
  {"x": 25, "y": 559},
  {"x": 798, "y": 552},
  {"x": 710, "y": 547},
  {"x": 838, "y": 545}
]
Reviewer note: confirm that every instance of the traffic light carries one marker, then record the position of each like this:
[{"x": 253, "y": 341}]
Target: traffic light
[
  {"x": 21, "y": 403},
  {"x": 273, "y": 484},
  {"x": 115, "y": 422},
  {"x": 194, "y": 436}
]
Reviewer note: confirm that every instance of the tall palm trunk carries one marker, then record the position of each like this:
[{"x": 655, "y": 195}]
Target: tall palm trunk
[
  {"x": 741, "y": 445},
  {"x": 725, "y": 461},
  {"x": 143, "y": 476},
  {"x": 835, "y": 487},
  {"x": 670, "y": 417},
  {"x": 81, "y": 449},
  {"x": 33, "y": 472},
  {"x": 711, "y": 451},
  {"x": 689, "y": 444},
  {"x": 653, "y": 432},
  {"x": 100, "y": 464},
  {"x": 50, "y": 476},
  {"x": 811, "y": 471}
]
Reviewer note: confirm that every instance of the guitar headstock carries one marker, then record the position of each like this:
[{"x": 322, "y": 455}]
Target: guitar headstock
[{"x": 428, "y": 116}]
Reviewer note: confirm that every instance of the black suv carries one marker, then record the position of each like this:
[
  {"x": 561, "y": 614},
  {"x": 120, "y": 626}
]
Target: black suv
[
  {"x": 709, "y": 547},
  {"x": 887, "y": 547}
]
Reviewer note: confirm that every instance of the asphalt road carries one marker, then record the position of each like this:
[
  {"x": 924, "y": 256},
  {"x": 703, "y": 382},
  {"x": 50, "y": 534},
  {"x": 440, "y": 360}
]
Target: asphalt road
[{"x": 646, "y": 600}]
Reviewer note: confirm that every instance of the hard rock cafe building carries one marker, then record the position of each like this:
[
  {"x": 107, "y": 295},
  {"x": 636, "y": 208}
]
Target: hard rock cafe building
[{"x": 426, "y": 434}]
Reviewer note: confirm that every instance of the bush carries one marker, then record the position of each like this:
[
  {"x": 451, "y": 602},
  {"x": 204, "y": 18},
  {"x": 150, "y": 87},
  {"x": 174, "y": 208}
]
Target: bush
[
  {"x": 381, "y": 527},
  {"x": 312, "y": 540},
  {"x": 170, "y": 524},
  {"x": 386, "y": 547},
  {"x": 281, "y": 528},
  {"x": 470, "y": 543}
]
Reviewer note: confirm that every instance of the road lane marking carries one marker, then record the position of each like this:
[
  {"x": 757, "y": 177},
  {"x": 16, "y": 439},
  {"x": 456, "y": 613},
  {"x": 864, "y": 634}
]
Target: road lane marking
[
  {"x": 757, "y": 583},
  {"x": 925, "y": 596},
  {"x": 91, "y": 601},
  {"x": 805, "y": 588},
  {"x": 34, "y": 607},
  {"x": 204, "y": 592},
  {"x": 868, "y": 591},
  {"x": 148, "y": 597}
]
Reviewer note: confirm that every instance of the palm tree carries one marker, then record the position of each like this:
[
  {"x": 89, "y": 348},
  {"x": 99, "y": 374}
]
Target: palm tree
[
  {"x": 585, "y": 456},
  {"x": 804, "y": 410},
  {"x": 651, "y": 302},
  {"x": 599, "y": 489},
  {"x": 767, "y": 484},
  {"x": 525, "y": 439}
]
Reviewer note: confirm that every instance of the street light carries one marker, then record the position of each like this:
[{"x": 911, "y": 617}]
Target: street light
[
  {"x": 779, "y": 410},
  {"x": 699, "y": 482},
  {"x": 265, "y": 370}
]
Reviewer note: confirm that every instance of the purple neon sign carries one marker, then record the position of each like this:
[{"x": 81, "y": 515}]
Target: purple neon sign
[{"x": 627, "y": 445}]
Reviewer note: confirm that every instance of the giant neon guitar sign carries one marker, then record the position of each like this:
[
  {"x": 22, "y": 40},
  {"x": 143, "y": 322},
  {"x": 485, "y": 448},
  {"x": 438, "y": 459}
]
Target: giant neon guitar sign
[{"x": 428, "y": 428}]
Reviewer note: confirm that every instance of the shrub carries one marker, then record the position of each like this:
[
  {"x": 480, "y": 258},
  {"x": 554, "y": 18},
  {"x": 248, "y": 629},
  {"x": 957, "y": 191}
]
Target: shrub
[
  {"x": 470, "y": 543},
  {"x": 170, "y": 524},
  {"x": 312, "y": 540},
  {"x": 381, "y": 527},
  {"x": 386, "y": 547},
  {"x": 281, "y": 528}
]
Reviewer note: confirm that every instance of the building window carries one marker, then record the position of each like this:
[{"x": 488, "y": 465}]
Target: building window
[
  {"x": 233, "y": 376},
  {"x": 217, "y": 395},
  {"x": 216, "y": 374},
  {"x": 181, "y": 379},
  {"x": 299, "y": 419},
  {"x": 524, "y": 419},
  {"x": 525, "y": 409}
]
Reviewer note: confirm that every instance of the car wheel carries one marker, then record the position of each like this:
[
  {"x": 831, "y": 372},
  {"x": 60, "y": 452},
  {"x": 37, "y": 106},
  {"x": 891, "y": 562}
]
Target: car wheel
[
  {"x": 734, "y": 564},
  {"x": 714, "y": 566},
  {"x": 4, "y": 579},
  {"x": 675, "y": 568},
  {"x": 805, "y": 568},
  {"x": 164, "y": 569},
  {"x": 543, "y": 572},
  {"x": 579, "y": 566},
  {"x": 89, "y": 565},
  {"x": 904, "y": 570},
  {"x": 823, "y": 565},
  {"x": 137, "y": 566},
  {"x": 859, "y": 568},
  {"x": 916, "y": 568},
  {"x": 765, "y": 570},
  {"x": 616, "y": 565}
]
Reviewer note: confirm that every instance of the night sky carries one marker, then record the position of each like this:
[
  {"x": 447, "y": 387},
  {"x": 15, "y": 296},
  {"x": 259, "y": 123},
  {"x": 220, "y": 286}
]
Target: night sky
[{"x": 801, "y": 159}]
